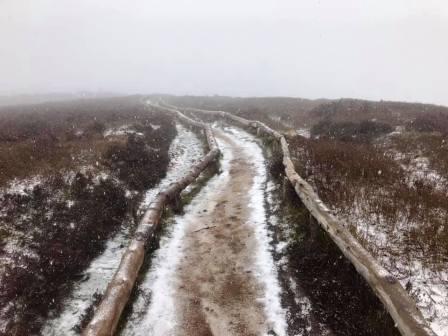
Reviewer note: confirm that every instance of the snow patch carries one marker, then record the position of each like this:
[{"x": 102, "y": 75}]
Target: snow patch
[
  {"x": 154, "y": 313},
  {"x": 428, "y": 287},
  {"x": 185, "y": 150},
  {"x": 121, "y": 131},
  {"x": 22, "y": 186},
  {"x": 305, "y": 132}
]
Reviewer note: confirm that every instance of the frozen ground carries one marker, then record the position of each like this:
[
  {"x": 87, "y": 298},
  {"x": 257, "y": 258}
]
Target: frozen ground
[
  {"x": 428, "y": 286},
  {"x": 426, "y": 283}
]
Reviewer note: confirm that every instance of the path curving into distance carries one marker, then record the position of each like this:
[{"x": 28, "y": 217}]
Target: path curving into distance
[{"x": 214, "y": 273}]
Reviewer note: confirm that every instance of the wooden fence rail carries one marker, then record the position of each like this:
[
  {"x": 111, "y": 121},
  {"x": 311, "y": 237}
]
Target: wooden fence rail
[
  {"x": 107, "y": 315},
  {"x": 396, "y": 300}
]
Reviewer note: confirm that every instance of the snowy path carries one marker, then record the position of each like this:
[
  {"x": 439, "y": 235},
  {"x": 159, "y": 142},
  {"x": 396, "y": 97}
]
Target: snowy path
[
  {"x": 185, "y": 150},
  {"x": 214, "y": 273}
]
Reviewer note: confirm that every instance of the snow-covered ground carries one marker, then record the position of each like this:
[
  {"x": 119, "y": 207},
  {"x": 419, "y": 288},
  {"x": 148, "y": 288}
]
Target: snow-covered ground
[
  {"x": 419, "y": 169},
  {"x": 121, "y": 130},
  {"x": 305, "y": 132},
  {"x": 388, "y": 240},
  {"x": 94, "y": 280},
  {"x": 428, "y": 285},
  {"x": 185, "y": 149},
  {"x": 22, "y": 186}
]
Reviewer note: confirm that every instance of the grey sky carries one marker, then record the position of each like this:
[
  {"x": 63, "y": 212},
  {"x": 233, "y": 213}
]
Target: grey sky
[{"x": 376, "y": 49}]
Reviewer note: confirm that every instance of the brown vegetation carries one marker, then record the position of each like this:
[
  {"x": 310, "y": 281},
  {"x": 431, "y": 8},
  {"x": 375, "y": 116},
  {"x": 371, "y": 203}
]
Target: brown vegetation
[
  {"x": 363, "y": 131},
  {"x": 64, "y": 221},
  {"x": 347, "y": 174},
  {"x": 141, "y": 160},
  {"x": 430, "y": 122},
  {"x": 353, "y": 110},
  {"x": 352, "y": 165},
  {"x": 432, "y": 145},
  {"x": 42, "y": 139},
  {"x": 63, "y": 239},
  {"x": 277, "y": 112},
  {"x": 283, "y": 112}
]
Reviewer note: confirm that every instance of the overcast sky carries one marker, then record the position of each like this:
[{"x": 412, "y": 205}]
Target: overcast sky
[{"x": 375, "y": 49}]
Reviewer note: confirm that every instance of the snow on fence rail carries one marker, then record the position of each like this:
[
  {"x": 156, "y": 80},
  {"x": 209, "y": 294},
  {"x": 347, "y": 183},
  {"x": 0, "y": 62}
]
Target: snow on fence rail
[
  {"x": 401, "y": 307},
  {"x": 107, "y": 315}
]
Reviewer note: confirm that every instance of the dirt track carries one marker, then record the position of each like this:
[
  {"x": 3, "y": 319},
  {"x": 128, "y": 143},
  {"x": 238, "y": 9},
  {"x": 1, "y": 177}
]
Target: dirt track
[
  {"x": 223, "y": 282},
  {"x": 217, "y": 291}
]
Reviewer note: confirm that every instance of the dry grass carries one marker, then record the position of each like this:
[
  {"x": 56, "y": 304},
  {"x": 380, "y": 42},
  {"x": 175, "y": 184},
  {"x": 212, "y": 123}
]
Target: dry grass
[
  {"x": 363, "y": 131},
  {"x": 64, "y": 222},
  {"x": 64, "y": 239},
  {"x": 277, "y": 112},
  {"x": 432, "y": 145},
  {"x": 435, "y": 121},
  {"x": 358, "y": 174},
  {"x": 393, "y": 113},
  {"x": 42, "y": 139},
  {"x": 28, "y": 158},
  {"x": 355, "y": 169}
]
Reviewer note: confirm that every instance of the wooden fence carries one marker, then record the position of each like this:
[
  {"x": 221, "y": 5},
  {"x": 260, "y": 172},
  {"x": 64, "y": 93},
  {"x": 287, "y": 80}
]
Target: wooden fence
[
  {"x": 396, "y": 300},
  {"x": 107, "y": 315}
]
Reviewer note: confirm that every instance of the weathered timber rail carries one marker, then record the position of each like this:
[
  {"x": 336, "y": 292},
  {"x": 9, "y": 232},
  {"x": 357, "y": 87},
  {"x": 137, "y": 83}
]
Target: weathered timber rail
[
  {"x": 108, "y": 313},
  {"x": 396, "y": 300}
]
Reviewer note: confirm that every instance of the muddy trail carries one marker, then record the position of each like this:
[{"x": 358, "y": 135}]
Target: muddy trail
[{"x": 214, "y": 274}]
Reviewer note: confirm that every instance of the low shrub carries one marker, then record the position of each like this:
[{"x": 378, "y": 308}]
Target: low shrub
[
  {"x": 64, "y": 222},
  {"x": 348, "y": 175},
  {"x": 433, "y": 146},
  {"x": 64, "y": 238},
  {"x": 42, "y": 139},
  {"x": 350, "y": 131},
  {"x": 430, "y": 122},
  {"x": 141, "y": 161}
]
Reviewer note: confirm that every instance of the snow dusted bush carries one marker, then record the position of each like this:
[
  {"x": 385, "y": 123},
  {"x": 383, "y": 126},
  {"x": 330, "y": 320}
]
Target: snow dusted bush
[
  {"x": 396, "y": 211},
  {"x": 141, "y": 161},
  {"x": 365, "y": 130},
  {"x": 53, "y": 227},
  {"x": 64, "y": 237}
]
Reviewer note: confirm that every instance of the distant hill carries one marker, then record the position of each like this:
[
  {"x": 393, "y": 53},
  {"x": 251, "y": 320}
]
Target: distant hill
[
  {"x": 291, "y": 111},
  {"x": 25, "y": 99},
  {"x": 299, "y": 112},
  {"x": 393, "y": 113}
]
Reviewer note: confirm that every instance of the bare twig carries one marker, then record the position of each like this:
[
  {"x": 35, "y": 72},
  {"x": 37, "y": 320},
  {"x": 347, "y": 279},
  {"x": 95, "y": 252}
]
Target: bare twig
[{"x": 205, "y": 228}]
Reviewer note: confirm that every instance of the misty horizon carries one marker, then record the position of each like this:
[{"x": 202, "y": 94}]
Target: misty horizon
[{"x": 376, "y": 50}]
